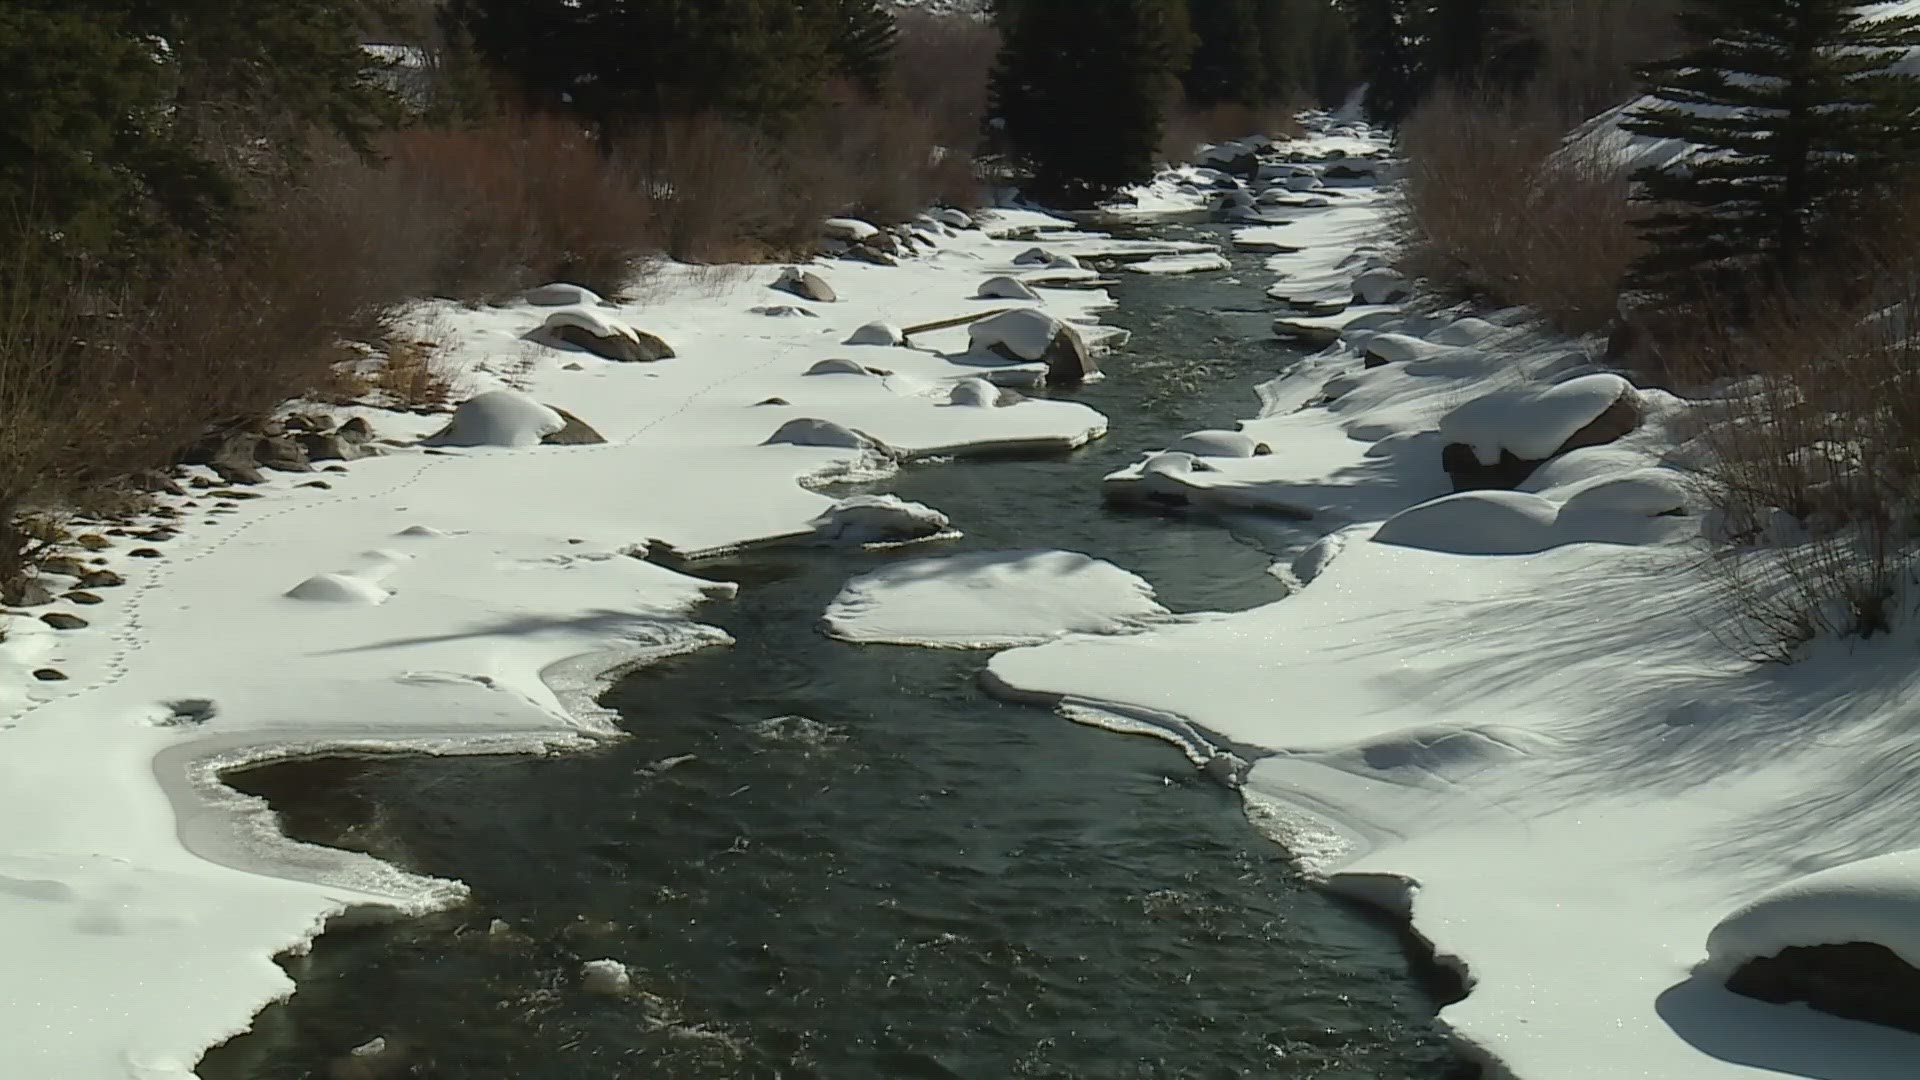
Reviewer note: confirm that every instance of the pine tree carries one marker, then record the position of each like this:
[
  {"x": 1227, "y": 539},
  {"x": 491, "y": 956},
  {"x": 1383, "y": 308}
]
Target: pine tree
[
  {"x": 1478, "y": 43},
  {"x": 862, "y": 40},
  {"x": 1226, "y": 64},
  {"x": 1384, "y": 36},
  {"x": 1800, "y": 122},
  {"x": 1078, "y": 92}
]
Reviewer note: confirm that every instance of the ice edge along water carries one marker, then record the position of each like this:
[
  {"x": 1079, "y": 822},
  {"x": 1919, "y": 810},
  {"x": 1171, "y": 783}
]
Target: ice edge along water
[
  {"x": 1506, "y": 716},
  {"x": 468, "y": 600}
]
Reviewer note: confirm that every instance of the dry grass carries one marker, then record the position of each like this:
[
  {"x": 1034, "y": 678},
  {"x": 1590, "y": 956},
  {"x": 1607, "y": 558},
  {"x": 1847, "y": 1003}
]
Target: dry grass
[
  {"x": 414, "y": 372},
  {"x": 1493, "y": 211}
]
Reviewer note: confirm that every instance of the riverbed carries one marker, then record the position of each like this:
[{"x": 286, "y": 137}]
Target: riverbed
[{"x": 829, "y": 860}]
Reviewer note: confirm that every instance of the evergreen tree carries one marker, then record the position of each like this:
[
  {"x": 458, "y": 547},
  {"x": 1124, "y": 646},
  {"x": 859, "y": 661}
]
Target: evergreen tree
[
  {"x": 1385, "y": 41},
  {"x": 1478, "y": 43},
  {"x": 862, "y": 40},
  {"x": 1800, "y": 122},
  {"x": 1226, "y": 64},
  {"x": 1079, "y": 92}
]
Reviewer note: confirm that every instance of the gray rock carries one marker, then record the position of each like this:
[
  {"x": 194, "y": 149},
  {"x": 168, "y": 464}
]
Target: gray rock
[
  {"x": 101, "y": 579},
  {"x": 1858, "y": 981},
  {"x": 356, "y": 430},
  {"x": 577, "y": 432},
  {"x": 62, "y": 620},
  {"x": 47, "y": 674},
  {"x": 806, "y": 284},
  {"x": 327, "y": 446},
  {"x": 642, "y": 347},
  {"x": 80, "y": 597},
  {"x": 28, "y": 593}
]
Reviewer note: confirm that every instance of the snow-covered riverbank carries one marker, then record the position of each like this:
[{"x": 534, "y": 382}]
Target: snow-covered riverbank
[
  {"x": 1507, "y": 714},
  {"x": 460, "y": 600}
]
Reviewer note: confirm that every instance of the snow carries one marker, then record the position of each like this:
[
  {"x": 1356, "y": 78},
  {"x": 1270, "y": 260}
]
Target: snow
[
  {"x": 1025, "y": 332},
  {"x": 877, "y": 333},
  {"x": 1874, "y": 900},
  {"x": 869, "y": 519},
  {"x": 505, "y": 418},
  {"x": 808, "y": 431},
  {"x": 1548, "y": 760},
  {"x": 988, "y": 600},
  {"x": 468, "y": 601},
  {"x": 1182, "y": 264},
  {"x": 608, "y": 978},
  {"x": 1531, "y": 422},
  {"x": 974, "y": 393},
  {"x": 1005, "y": 288},
  {"x": 562, "y": 294},
  {"x": 1220, "y": 444}
]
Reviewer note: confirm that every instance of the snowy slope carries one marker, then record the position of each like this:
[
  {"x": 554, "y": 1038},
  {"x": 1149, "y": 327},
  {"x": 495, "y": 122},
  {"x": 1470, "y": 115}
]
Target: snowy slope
[{"x": 1507, "y": 716}]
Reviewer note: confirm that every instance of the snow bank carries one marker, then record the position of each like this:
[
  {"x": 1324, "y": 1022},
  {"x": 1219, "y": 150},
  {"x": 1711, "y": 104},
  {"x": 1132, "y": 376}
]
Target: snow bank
[{"x": 990, "y": 600}]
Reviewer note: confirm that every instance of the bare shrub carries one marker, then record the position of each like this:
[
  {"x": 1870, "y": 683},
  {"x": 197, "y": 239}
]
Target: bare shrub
[
  {"x": 1188, "y": 129},
  {"x": 414, "y": 370},
  {"x": 1494, "y": 210},
  {"x": 1812, "y": 463},
  {"x": 708, "y": 184},
  {"x": 941, "y": 67},
  {"x": 526, "y": 200}
]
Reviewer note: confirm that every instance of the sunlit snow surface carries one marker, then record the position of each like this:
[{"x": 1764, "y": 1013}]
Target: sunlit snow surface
[
  {"x": 460, "y": 601},
  {"x": 1513, "y": 715}
]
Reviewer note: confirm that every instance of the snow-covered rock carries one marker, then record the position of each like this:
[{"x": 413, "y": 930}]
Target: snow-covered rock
[
  {"x": 1873, "y": 900},
  {"x": 839, "y": 365},
  {"x": 848, "y": 230},
  {"x": 1465, "y": 332},
  {"x": 1033, "y": 335},
  {"x": 608, "y": 978},
  {"x": 808, "y": 431},
  {"x": 974, "y": 393},
  {"x": 1005, "y": 288},
  {"x": 1382, "y": 285},
  {"x": 993, "y": 599},
  {"x": 953, "y": 219},
  {"x": 878, "y": 333},
  {"x": 1052, "y": 260},
  {"x": 563, "y": 294},
  {"x": 1534, "y": 423},
  {"x": 602, "y": 336},
  {"x": 339, "y": 589},
  {"x": 1216, "y": 443},
  {"x": 506, "y": 418},
  {"x": 872, "y": 519}
]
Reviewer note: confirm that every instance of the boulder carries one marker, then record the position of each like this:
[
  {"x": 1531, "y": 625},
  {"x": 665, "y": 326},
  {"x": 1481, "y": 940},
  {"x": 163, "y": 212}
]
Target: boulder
[
  {"x": 805, "y": 284},
  {"x": 577, "y": 432},
  {"x": 808, "y": 431},
  {"x": 604, "y": 338},
  {"x": 328, "y": 446},
  {"x": 1028, "y": 334},
  {"x": 1468, "y": 462},
  {"x": 867, "y": 253},
  {"x": 1033, "y": 257},
  {"x": 1313, "y": 336},
  {"x": 25, "y": 593},
  {"x": 837, "y": 365},
  {"x": 61, "y": 620},
  {"x": 1217, "y": 443},
  {"x": 1236, "y": 158},
  {"x": 849, "y": 230},
  {"x": 505, "y": 418},
  {"x": 1005, "y": 288},
  {"x": 1382, "y": 285},
  {"x": 953, "y": 219},
  {"x": 1857, "y": 980},
  {"x": 234, "y": 472},
  {"x": 356, "y": 430}
]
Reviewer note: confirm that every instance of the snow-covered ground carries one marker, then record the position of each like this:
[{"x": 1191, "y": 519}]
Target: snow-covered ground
[
  {"x": 467, "y": 598},
  {"x": 1508, "y": 715}
]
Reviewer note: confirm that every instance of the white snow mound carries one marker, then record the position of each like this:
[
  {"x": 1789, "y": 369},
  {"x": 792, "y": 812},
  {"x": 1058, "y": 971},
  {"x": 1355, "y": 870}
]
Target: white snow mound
[
  {"x": 562, "y": 294},
  {"x": 808, "y": 431},
  {"x": 498, "y": 418},
  {"x": 992, "y": 599},
  {"x": 1005, "y": 288},
  {"x": 974, "y": 393},
  {"x": 877, "y": 333},
  {"x": 339, "y": 589},
  {"x": 1874, "y": 900},
  {"x": 852, "y": 230},
  {"x": 1197, "y": 263}
]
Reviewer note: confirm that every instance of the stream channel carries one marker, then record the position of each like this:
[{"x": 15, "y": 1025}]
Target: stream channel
[{"x": 863, "y": 866}]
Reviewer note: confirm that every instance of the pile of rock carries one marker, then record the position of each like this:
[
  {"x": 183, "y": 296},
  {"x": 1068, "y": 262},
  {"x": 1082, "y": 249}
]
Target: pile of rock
[{"x": 291, "y": 443}]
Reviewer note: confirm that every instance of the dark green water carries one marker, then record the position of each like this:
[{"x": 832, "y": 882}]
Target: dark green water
[{"x": 903, "y": 877}]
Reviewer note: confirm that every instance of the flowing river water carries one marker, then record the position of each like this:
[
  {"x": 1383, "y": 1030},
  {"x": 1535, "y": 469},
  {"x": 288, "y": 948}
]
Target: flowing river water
[{"x": 828, "y": 860}]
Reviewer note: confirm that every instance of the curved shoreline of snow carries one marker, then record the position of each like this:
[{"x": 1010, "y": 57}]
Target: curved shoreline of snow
[{"x": 508, "y": 595}]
